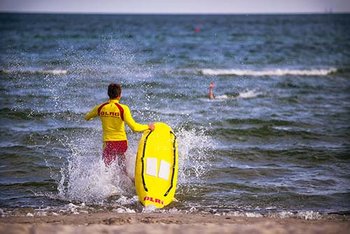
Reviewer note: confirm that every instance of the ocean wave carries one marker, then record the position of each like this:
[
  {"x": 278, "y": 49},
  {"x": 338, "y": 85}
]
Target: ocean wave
[
  {"x": 249, "y": 94},
  {"x": 246, "y": 94},
  {"x": 268, "y": 72},
  {"x": 34, "y": 71}
]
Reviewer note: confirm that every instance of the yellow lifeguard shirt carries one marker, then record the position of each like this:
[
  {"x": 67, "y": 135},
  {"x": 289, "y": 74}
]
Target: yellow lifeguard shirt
[{"x": 113, "y": 116}]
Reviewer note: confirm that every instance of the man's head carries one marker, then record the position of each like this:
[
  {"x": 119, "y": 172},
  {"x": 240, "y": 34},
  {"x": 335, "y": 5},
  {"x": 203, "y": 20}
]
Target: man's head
[{"x": 114, "y": 91}]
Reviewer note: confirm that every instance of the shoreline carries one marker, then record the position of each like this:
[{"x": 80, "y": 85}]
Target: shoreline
[{"x": 111, "y": 222}]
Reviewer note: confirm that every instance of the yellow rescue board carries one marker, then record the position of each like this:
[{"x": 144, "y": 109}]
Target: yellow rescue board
[{"x": 156, "y": 166}]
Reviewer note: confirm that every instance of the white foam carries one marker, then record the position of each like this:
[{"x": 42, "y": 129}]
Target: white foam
[
  {"x": 249, "y": 94},
  {"x": 222, "y": 97},
  {"x": 124, "y": 210},
  {"x": 37, "y": 71},
  {"x": 55, "y": 72},
  {"x": 268, "y": 72},
  {"x": 246, "y": 94},
  {"x": 123, "y": 200},
  {"x": 30, "y": 215},
  {"x": 244, "y": 214},
  {"x": 174, "y": 211},
  {"x": 309, "y": 215},
  {"x": 149, "y": 209}
]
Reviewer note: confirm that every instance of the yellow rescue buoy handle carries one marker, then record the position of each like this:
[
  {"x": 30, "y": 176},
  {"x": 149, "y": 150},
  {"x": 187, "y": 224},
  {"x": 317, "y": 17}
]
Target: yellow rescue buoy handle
[
  {"x": 143, "y": 163},
  {"x": 172, "y": 176}
]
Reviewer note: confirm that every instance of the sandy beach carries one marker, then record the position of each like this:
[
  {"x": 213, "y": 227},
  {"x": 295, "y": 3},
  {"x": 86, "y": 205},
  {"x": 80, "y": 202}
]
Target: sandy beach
[
  {"x": 268, "y": 154},
  {"x": 109, "y": 222}
]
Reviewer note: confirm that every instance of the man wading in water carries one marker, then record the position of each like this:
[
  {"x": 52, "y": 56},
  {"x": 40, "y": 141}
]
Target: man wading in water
[{"x": 113, "y": 116}]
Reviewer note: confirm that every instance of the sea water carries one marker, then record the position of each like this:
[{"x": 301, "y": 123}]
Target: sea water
[{"x": 274, "y": 141}]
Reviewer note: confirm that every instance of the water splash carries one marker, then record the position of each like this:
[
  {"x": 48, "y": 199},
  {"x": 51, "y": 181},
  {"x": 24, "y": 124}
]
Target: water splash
[
  {"x": 194, "y": 156},
  {"x": 85, "y": 177}
]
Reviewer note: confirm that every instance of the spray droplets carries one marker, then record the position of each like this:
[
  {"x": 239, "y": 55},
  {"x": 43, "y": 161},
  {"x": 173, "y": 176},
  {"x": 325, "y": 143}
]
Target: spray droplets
[{"x": 194, "y": 159}]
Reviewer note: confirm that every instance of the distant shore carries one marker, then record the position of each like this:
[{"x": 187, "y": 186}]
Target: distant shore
[{"x": 110, "y": 222}]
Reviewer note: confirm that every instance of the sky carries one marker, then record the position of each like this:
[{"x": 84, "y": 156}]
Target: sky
[{"x": 176, "y": 6}]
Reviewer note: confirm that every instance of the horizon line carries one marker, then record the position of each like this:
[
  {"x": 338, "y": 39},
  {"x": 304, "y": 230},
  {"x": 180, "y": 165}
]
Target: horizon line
[{"x": 176, "y": 13}]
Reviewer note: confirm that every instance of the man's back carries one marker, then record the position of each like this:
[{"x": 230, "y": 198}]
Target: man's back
[{"x": 112, "y": 117}]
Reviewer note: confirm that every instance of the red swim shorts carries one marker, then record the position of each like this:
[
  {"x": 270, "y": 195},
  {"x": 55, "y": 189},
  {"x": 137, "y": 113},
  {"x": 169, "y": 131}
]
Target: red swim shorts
[{"x": 114, "y": 150}]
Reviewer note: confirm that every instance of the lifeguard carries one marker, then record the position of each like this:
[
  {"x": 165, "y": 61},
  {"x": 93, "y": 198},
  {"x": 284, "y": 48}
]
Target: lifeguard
[{"x": 113, "y": 116}]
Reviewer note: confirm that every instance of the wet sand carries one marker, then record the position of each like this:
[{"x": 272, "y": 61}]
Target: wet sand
[{"x": 109, "y": 222}]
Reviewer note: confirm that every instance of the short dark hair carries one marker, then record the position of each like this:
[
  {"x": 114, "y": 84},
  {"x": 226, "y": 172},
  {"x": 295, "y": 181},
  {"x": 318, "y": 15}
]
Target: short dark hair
[{"x": 114, "y": 90}]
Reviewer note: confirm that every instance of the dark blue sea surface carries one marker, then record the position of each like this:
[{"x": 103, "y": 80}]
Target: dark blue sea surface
[{"x": 275, "y": 140}]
